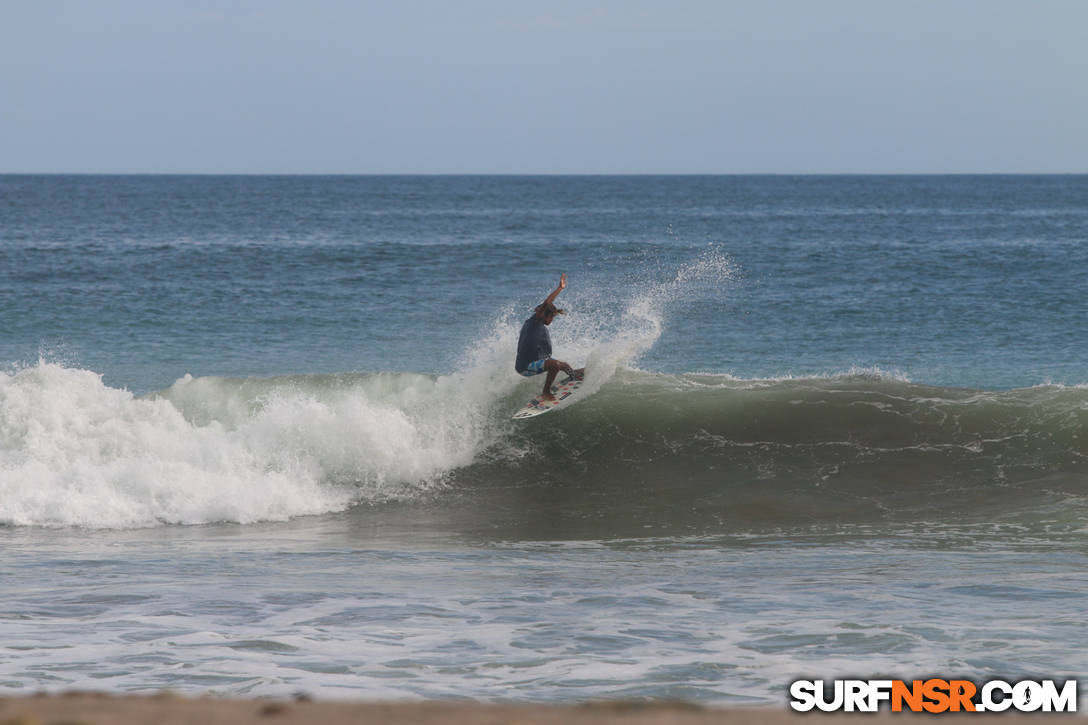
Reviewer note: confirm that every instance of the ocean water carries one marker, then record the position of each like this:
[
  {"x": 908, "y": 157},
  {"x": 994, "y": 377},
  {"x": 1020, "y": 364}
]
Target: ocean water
[{"x": 255, "y": 434}]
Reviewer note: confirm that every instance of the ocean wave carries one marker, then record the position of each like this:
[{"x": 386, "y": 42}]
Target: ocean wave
[
  {"x": 695, "y": 453},
  {"x": 687, "y": 452}
]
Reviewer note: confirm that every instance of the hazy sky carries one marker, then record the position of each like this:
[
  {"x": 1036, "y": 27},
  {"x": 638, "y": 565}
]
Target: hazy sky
[{"x": 475, "y": 86}]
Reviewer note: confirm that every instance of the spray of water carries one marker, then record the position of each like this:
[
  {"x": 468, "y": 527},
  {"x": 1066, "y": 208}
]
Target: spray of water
[{"x": 619, "y": 329}]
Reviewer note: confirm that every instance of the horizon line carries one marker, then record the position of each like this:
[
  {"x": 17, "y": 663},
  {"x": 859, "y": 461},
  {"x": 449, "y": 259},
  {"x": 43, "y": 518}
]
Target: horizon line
[{"x": 588, "y": 174}]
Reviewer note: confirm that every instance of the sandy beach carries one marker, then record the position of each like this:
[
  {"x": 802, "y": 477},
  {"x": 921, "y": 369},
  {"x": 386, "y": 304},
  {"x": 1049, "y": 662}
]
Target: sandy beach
[{"x": 169, "y": 709}]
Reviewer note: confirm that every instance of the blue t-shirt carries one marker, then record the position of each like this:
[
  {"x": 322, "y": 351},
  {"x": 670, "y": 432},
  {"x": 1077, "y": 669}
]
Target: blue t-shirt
[{"x": 534, "y": 343}]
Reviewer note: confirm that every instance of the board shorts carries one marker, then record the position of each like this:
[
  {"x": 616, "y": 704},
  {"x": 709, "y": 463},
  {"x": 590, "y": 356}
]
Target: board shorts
[{"x": 536, "y": 367}]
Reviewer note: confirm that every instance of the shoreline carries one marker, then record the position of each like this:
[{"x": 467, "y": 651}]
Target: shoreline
[{"x": 93, "y": 708}]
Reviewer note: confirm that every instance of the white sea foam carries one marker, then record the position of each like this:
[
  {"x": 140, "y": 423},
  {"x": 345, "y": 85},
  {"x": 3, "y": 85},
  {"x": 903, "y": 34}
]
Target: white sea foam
[
  {"x": 854, "y": 372},
  {"x": 74, "y": 451}
]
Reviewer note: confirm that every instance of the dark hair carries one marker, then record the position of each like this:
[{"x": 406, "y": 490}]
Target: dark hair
[{"x": 545, "y": 309}]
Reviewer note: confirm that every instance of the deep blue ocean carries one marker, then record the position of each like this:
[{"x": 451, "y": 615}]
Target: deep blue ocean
[{"x": 255, "y": 434}]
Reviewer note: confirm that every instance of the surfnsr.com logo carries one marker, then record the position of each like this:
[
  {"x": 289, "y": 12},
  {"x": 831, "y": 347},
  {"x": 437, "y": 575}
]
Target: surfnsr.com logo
[{"x": 933, "y": 696}]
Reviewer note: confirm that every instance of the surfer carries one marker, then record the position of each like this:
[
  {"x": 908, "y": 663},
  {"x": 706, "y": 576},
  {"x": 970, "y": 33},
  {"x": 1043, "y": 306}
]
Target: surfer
[{"x": 535, "y": 345}]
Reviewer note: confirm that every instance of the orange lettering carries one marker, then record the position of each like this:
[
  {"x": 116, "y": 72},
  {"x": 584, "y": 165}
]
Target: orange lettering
[
  {"x": 936, "y": 691},
  {"x": 911, "y": 695},
  {"x": 961, "y": 693}
]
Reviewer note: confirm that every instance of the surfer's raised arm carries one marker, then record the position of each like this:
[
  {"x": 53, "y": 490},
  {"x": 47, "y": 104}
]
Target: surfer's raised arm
[{"x": 562, "y": 286}]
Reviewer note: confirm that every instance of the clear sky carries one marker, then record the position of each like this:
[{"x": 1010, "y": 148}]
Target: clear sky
[{"x": 512, "y": 86}]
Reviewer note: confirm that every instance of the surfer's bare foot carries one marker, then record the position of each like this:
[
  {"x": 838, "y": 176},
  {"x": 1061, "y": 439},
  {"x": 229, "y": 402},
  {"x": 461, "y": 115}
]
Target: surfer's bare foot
[{"x": 547, "y": 397}]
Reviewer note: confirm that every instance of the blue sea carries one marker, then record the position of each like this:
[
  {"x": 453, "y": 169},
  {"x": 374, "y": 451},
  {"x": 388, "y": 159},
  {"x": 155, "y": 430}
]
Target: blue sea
[{"x": 255, "y": 434}]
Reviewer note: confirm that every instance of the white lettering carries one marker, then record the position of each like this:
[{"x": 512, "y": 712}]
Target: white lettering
[
  {"x": 1027, "y": 696},
  {"x": 880, "y": 690},
  {"x": 988, "y": 701},
  {"x": 821, "y": 697},
  {"x": 803, "y": 693},
  {"x": 1064, "y": 701},
  {"x": 856, "y": 695}
]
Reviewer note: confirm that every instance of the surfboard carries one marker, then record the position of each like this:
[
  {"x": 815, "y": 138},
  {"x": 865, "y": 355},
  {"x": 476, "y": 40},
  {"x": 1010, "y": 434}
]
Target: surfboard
[{"x": 565, "y": 392}]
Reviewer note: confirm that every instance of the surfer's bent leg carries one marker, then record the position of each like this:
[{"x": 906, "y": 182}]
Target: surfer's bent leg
[{"x": 553, "y": 367}]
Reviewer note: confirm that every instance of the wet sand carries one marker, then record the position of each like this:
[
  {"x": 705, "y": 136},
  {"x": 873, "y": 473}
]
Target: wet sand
[{"x": 167, "y": 709}]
